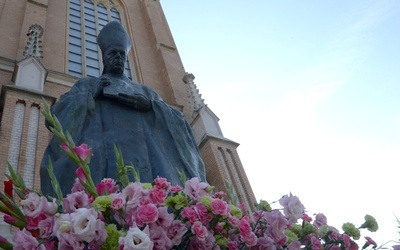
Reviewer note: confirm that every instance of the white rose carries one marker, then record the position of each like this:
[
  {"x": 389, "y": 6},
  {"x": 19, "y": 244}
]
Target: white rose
[
  {"x": 136, "y": 239},
  {"x": 83, "y": 222}
]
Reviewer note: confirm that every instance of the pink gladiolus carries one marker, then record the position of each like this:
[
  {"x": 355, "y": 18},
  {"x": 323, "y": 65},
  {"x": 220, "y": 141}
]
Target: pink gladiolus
[
  {"x": 81, "y": 175},
  {"x": 9, "y": 219},
  {"x": 83, "y": 151},
  {"x": 199, "y": 230},
  {"x": 8, "y": 188},
  {"x": 370, "y": 241},
  {"x": 65, "y": 147},
  {"x": 219, "y": 207}
]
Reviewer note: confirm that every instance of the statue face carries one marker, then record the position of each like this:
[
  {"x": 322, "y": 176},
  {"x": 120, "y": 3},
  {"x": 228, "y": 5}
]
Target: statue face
[{"x": 114, "y": 60}]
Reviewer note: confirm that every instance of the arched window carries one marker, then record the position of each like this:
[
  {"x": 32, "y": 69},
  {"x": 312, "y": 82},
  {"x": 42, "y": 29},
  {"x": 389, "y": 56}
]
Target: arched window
[{"x": 86, "y": 19}]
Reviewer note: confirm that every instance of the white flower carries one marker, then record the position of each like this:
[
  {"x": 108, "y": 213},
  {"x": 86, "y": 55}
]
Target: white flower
[
  {"x": 83, "y": 222},
  {"x": 136, "y": 239},
  {"x": 33, "y": 205}
]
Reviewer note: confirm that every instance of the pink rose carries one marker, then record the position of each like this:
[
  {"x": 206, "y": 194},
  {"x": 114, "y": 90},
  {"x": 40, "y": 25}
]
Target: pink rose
[
  {"x": 189, "y": 213},
  {"x": 292, "y": 207},
  {"x": 157, "y": 195},
  {"x": 219, "y": 207},
  {"x": 24, "y": 240},
  {"x": 146, "y": 213},
  {"x": 199, "y": 230},
  {"x": 83, "y": 151}
]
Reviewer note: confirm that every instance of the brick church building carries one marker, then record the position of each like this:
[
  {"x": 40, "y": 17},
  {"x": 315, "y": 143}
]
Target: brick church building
[{"x": 46, "y": 46}]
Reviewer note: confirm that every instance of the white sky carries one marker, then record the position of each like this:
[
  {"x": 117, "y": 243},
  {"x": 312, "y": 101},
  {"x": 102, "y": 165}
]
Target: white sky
[{"x": 311, "y": 91}]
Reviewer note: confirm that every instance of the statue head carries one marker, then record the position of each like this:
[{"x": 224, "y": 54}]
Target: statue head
[{"x": 115, "y": 44}]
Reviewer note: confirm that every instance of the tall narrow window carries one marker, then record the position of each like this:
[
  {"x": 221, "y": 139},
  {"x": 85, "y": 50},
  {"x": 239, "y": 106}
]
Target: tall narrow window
[{"x": 86, "y": 19}]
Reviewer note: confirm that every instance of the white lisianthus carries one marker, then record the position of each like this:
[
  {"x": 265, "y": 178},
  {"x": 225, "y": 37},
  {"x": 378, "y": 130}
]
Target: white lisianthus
[
  {"x": 83, "y": 222},
  {"x": 292, "y": 207},
  {"x": 136, "y": 239}
]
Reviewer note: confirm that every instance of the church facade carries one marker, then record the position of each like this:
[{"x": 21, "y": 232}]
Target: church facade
[{"x": 46, "y": 46}]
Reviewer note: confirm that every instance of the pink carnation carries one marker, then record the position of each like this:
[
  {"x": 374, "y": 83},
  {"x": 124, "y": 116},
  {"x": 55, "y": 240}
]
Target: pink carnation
[
  {"x": 189, "y": 213},
  {"x": 199, "y": 230},
  {"x": 157, "y": 195},
  {"x": 146, "y": 213},
  {"x": 219, "y": 207},
  {"x": 162, "y": 183},
  {"x": 244, "y": 226},
  {"x": 107, "y": 185}
]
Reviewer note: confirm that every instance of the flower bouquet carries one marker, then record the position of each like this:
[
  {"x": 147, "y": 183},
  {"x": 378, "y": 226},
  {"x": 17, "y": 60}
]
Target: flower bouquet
[{"x": 121, "y": 214}]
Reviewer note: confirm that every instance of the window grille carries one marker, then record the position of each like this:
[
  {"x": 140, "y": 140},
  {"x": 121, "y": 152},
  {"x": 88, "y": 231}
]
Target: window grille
[{"x": 86, "y": 19}]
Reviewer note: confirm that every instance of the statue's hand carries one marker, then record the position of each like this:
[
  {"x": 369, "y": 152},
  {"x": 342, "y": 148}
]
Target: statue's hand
[
  {"x": 98, "y": 88},
  {"x": 137, "y": 101}
]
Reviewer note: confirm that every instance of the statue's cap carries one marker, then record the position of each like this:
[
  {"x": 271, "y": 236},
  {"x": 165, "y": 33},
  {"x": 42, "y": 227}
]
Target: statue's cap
[{"x": 113, "y": 34}]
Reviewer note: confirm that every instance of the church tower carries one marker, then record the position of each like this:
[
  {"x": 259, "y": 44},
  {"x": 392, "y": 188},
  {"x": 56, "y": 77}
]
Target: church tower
[{"x": 46, "y": 46}]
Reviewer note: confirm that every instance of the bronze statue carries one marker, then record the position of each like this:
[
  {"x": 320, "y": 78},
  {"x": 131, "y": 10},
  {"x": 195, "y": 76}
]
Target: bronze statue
[{"x": 111, "y": 109}]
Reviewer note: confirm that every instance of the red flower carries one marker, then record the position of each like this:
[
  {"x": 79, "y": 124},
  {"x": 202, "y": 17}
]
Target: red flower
[{"x": 8, "y": 188}]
